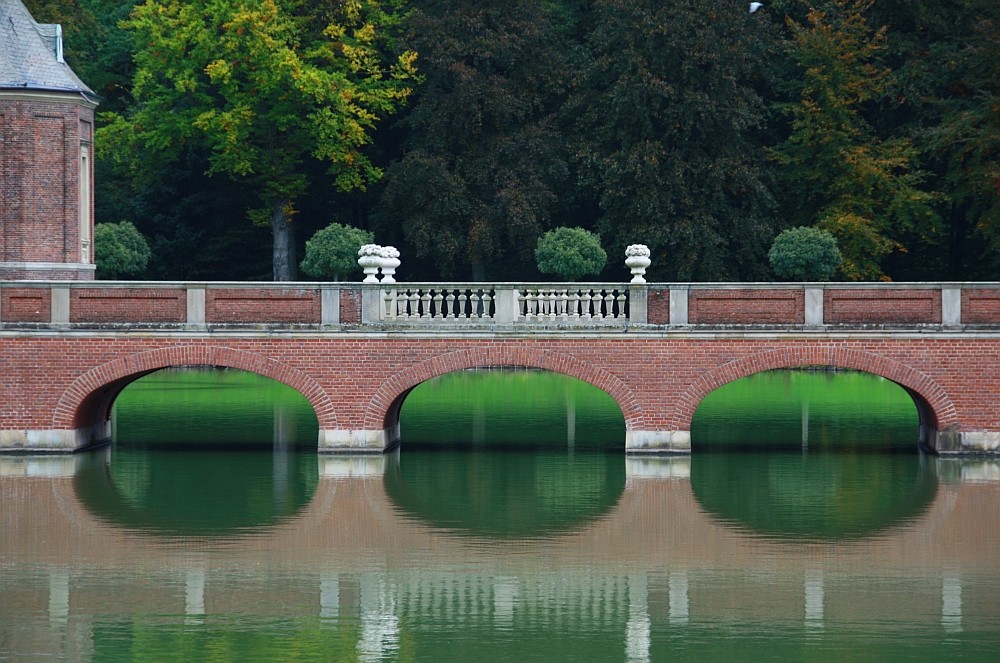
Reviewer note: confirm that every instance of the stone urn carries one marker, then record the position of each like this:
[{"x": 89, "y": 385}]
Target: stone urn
[
  {"x": 370, "y": 259},
  {"x": 390, "y": 263},
  {"x": 637, "y": 260}
]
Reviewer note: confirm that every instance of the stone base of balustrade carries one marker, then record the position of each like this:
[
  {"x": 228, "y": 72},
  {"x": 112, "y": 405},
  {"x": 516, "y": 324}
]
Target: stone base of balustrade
[
  {"x": 949, "y": 442},
  {"x": 358, "y": 441},
  {"x": 658, "y": 442},
  {"x": 55, "y": 440}
]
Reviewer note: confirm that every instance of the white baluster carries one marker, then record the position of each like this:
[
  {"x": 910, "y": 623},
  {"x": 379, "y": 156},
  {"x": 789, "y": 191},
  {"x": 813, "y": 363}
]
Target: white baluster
[
  {"x": 487, "y": 299},
  {"x": 438, "y": 299},
  {"x": 620, "y": 313},
  {"x": 425, "y": 304},
  {"x": 414, "y": 301},
  {"x": 474, "y": 304},
  {"x": 450, "y": 304}
]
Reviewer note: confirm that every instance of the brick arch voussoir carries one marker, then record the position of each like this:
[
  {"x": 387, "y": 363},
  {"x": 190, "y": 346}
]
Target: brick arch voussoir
[
  {"x": 399, "y": 383},
  {"x": 906, "y": 376},
  {"x": 191, "y": 355}
]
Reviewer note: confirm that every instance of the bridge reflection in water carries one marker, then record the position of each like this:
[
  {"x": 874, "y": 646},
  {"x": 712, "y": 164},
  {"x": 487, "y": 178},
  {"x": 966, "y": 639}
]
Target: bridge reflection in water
[{"x": 364, "y": 567}]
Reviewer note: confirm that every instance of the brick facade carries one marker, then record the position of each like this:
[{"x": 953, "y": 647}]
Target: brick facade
[
  {"x": 754, "y": 307},
  {"x": 154, "y": 305},
  {"x": 882, "y": 306},
  {"x": 43, "y": 137},
  {"x": 68, "y": 349},
  {"x": 356, "y": 381},
  {"x": 249, "y": 305}
]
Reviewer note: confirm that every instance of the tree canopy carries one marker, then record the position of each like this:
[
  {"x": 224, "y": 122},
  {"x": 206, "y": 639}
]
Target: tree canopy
[
  {"x": 263, "y": 86},
  {"x": 462, "y": 131}
]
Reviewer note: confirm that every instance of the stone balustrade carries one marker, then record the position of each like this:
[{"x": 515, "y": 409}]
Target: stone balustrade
[
  {"x": 657, "y": 307},
  {"x": 563, "y": 304}
]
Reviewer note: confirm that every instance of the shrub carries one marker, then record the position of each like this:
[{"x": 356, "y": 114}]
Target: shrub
[
  {"x": 333, "y": 251},
  {"x": 805, "y": 254},
  {"x": 119, "y": 250},
  {"x": 570, "y": 253}
]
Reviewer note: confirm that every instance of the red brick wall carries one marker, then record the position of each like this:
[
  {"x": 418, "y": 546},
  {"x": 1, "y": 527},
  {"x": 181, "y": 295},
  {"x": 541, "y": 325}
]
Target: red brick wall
[
  {"x": 352, "y": 380},
  {"x": 350, "y": 307},
  {"x": 880, "y": 306},
  {"x": 746, "y": 307},
  {"x": 128, "y": 305},
  {"x": 263, "y": 305},
  {"x": 658, "y": 306},
  {"x": 39, "y": 181},
  {"x": 25, "y": 304},
  {"x": 980, "y": 307}
]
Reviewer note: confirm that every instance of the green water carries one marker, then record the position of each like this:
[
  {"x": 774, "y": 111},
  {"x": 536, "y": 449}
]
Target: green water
[{"x": 508, "y": 526}]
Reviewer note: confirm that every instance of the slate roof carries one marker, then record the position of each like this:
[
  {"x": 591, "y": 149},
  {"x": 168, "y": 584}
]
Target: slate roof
[{"x": 30, "y": 54}]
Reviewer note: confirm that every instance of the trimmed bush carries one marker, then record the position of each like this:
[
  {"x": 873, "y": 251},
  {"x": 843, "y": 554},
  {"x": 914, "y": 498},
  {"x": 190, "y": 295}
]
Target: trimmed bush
[
  {"x": 333, "y": 251},
  {"x": 805, "y": 254},
  {"x": 570, "y": 253},
  {"x": 120, "y": 250}
]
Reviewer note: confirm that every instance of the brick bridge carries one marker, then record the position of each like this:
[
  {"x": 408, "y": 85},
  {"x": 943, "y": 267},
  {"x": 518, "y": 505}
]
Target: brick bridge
[{"x": 67, "y": 349}]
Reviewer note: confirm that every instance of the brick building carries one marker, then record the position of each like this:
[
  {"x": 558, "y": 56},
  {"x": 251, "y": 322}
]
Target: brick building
[{"x": 46, "y": 154}]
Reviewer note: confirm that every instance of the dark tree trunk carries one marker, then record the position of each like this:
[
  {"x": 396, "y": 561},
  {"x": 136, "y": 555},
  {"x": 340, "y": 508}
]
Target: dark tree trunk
[{"x": 283, "y": 255}]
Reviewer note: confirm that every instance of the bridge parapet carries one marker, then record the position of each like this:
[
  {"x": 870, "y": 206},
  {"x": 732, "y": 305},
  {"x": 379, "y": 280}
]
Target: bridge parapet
[{"x": 521, "y": 307}]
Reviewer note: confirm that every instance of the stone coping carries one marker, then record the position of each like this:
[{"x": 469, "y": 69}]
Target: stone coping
[{"x": 352, "y": 285}]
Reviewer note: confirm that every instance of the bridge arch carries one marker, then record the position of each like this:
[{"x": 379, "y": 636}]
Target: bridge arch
[
  {"x": 935, "y": 408},
  {"x": 86, "y": 404},
  {"x": 382, "y": 411}
]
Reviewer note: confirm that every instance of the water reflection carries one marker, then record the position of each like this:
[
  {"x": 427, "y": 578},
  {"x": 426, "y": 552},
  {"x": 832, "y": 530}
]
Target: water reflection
[
  {"x": 355, "y": 577},
  {"x": 206, "y": 407},
  {"x": 807, "y": 409},
  {"x": 196, "y": 493},
  {"x": 512, "y": 409},
  {"x": 505, "y": 494},
  {"x": 820, "y": 496}
]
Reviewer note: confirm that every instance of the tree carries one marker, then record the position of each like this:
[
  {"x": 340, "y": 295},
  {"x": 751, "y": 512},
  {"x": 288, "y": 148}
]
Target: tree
[
  {"x": 664, "y": 122},
  {"x": 570, "y": 253},
  {"x": 333, "y": 251},
  {"x": 805, "y": 254},
  {"x": 483, "y": 160},
  {"x": 119, "y": 250},
  {"x": 839, "y": 173},
  {"x": 965, "y": 143},
  {"x": 266, "y": 87}
]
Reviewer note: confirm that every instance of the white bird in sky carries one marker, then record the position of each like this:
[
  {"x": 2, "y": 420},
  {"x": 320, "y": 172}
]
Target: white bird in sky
[{"x": 754, "y": 6}]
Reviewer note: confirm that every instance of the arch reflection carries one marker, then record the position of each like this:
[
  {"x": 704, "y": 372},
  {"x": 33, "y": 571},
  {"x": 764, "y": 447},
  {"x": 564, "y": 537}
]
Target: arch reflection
[
  {"x": 510, "y": 408},
  {"x": 818, "y": 496},
  {"x": 508, "y": 494},
  {"x": 206, "y": 407},
  {"x": 206, "y": 493},
  {"x": 202, "y": 451},
  {"x": 807, "y": 408}
]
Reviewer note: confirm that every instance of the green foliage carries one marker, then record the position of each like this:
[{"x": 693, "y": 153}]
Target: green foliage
[
  {"x": 965, "y": 142},
  {"x": 663, "y": 119},
  {"x": 570, "y": 253},
  {"x": 643, "y": 120},
  {"x": 267, "y": 87},
  {"x": 805, "y": 254},
  {"x": 333, "y": 251},
  {"x": 842, "y": 176},
  {"x": 483, "y": 161},
  {"x": 119, "y": 250}
]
